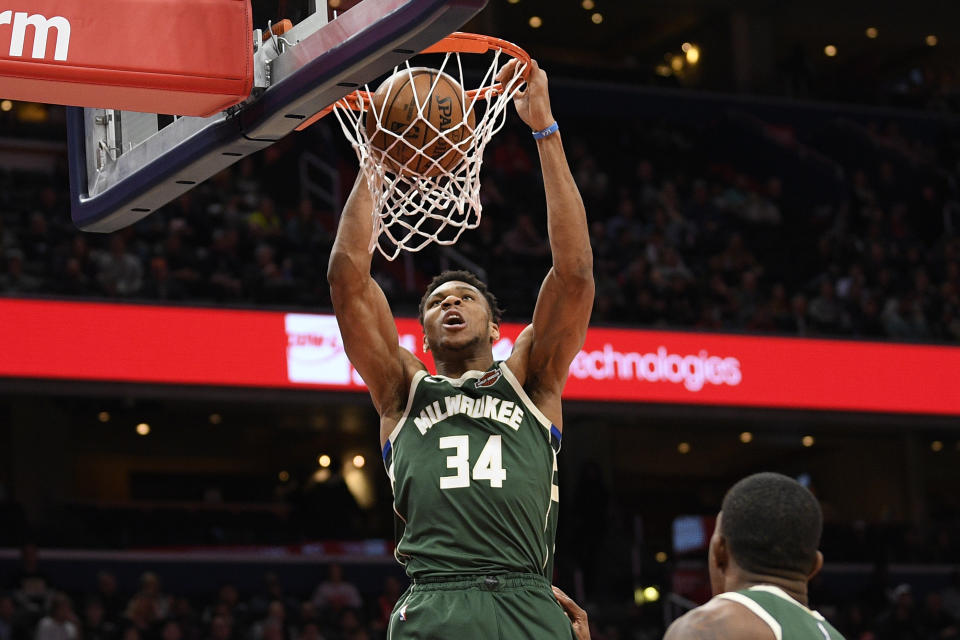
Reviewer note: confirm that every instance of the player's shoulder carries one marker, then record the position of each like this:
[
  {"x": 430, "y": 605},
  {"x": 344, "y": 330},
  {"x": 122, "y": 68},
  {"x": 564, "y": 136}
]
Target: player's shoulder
[
  {"x": 412, "y": 366},
  {"x": 719, "y": 619},
  {"x": 397, "y": 394}
]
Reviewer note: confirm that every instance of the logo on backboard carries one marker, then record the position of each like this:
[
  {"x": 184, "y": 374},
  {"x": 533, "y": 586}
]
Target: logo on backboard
[
  {"x": 489, "y": 378},
  {"x": 41, "y": 29}
]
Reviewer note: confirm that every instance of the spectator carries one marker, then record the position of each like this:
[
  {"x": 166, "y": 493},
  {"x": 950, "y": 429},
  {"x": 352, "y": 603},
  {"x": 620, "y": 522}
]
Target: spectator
[
  {"x": 15, "y": 280},
  {"x": 73, "y": 281},
  {"x": 95, "y": 624},
  {"x": 824, "y": 311},
  {"x": 109, "y": 597},
  {"x": 221, "y": 628},
  {"x": 273, "y": 626},
  {"x": 335, "y": 593},
  {"x": 140, "y": 615},
  {"x": 61, "y": 623},
  {"x": 351, "y": 627},
  {"x": 385, "y": 602},
  {"x": 265, "y": 222},
  {"x": 32, "y": 592},
  {"x": 183, "y": 614},
  {"x": 935, "y": 622},
  {"x": 259, "y": 605},
  {"x": 119, "y": 272},
  {"x": 151, "y": 592},
  {"x": 523, "y": 241},
  {"x": 759, "y": 210},
  {"x": 900, "y": 621},
  {"x": 307, "y": 230},
  {"x": 624, "y": 229},
  {"x": 36, "y": 243},
  {"x": 227, "y": 604},
  {"x": 796, "y": 323}
]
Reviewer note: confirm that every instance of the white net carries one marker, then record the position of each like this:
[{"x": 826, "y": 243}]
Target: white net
[{"x": 425, "y": 183}]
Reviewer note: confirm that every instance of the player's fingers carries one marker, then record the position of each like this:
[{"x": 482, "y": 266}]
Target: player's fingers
[
  {"x": 507, "y": 71},
  {"x": 535, "y": 73},
  {"x": 571, "y": 608}
]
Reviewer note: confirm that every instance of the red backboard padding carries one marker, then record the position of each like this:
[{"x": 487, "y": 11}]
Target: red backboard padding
[{"x": 182, "y": 57}]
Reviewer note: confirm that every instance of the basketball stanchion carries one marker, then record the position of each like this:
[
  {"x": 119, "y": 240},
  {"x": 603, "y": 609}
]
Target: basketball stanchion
[{"x": 420, "y": 140}]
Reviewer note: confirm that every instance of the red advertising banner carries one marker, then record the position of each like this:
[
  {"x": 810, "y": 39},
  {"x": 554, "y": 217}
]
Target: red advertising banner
[
  {"x": 157, "y": 56},
  {"x": 194, "y": 346}
]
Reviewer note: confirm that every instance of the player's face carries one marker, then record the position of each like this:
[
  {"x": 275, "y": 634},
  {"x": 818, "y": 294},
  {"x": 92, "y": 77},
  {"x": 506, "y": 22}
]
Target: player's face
[{"x": 456, "y": 316}]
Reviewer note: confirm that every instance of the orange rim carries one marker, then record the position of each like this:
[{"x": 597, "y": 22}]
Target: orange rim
[
  {"x": 458, "y": 42},
  {"x": 475, "y": 43}
]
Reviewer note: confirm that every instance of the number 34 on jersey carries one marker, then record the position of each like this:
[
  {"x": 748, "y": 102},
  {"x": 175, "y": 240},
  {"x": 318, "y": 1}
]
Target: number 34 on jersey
[{"x": 489, "y": 465}]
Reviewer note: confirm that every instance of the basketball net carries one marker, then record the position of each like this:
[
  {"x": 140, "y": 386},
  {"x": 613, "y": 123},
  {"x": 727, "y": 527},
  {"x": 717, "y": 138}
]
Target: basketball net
[{"x": 414, "y": 209}]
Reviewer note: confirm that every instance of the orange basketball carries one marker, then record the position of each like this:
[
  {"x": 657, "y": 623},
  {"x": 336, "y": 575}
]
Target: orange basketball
[{"x": 401, "y": 100}]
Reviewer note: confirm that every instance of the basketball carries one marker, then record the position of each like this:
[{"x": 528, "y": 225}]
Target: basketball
[{"x": 421, "y": 120}]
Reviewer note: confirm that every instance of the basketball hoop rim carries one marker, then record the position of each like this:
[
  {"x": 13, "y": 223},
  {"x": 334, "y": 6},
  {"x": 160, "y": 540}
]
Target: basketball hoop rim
[
  {"x": 462, "y": 42},
  {"x": 458, "y": 42}
]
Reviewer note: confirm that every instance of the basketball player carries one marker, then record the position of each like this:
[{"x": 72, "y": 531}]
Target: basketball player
[
  {"x": 471, "y": 451},
  {"x": 762, "y": 555}
]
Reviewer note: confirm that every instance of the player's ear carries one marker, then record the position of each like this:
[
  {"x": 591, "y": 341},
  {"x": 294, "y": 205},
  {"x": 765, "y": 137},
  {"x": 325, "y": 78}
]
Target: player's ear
[
  {"x": 719, "y": 555},
  {"x": 817, "y": 565},
  {"x": 494, "y": 332},
  {"x": 426, "y": 345}
]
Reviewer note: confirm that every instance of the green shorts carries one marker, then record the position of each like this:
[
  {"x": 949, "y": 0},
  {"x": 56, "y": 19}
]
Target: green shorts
[{"x": 512, "y": 606}]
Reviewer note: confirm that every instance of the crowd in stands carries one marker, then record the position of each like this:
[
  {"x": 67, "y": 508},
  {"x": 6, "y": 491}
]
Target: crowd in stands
[
  {"x": 33, "y": 608},
  {"x": 685, "y": 234}
]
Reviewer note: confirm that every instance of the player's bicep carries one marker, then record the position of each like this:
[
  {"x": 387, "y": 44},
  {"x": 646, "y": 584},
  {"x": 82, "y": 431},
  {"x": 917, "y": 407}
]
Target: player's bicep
[
  {"x": 560, "y": 322},
  {"x": 370, "y": 337}
]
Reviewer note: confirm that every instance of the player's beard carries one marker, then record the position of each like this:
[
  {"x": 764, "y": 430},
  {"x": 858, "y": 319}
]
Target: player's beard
[{"x": 471, "y": 344}]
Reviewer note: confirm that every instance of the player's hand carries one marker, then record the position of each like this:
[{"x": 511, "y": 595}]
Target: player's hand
[
  {"x": 533, "y": 102},
  {"x": 578, "y": 617}
]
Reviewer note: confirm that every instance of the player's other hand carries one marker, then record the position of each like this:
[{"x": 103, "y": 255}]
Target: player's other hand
[
  {"x": 533, "y": 102},
  {"x": 578, "y": 617}
]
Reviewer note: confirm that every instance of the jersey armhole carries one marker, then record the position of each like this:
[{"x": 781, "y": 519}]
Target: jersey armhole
[
  {"x": 553, "y": 434},
  {"x": 527, "y": 402},
  {"x": 388, "y": 446}
]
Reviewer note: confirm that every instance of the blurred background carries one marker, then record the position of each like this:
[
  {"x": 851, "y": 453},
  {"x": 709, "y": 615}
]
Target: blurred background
[{"x": 749, "y": 168}]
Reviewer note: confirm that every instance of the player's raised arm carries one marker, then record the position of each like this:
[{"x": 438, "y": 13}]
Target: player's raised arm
[
  {"x": 363, "y": 313},
  {"x": 566, "y": 297}
]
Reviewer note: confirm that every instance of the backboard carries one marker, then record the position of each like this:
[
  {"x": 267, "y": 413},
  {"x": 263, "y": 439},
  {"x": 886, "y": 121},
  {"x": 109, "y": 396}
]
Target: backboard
[{"x": 126, "y": 164}]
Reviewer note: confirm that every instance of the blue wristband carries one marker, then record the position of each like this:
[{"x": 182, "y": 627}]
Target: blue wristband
[{"x": 549, "y": 131}]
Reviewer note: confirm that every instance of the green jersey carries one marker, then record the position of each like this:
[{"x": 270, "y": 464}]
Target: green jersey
[
  {"x": 473, "y": 467},
  {"x": 787, "y": 618}
]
